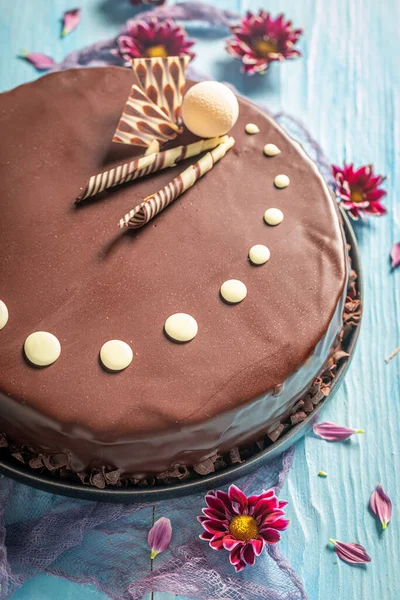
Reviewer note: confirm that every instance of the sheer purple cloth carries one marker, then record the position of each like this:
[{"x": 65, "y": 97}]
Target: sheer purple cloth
[{"x": 106, "y": 544}]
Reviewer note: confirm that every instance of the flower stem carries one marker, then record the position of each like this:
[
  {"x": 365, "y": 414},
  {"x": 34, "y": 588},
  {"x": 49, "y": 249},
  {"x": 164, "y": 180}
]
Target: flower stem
[
  {"x": 332, "y": 541},
  {"x": 392, "y": 355}
]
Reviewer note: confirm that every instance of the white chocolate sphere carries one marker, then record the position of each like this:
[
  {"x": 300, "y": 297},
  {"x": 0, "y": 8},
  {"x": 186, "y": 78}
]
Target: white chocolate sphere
[{"x": 210, "y": 109}]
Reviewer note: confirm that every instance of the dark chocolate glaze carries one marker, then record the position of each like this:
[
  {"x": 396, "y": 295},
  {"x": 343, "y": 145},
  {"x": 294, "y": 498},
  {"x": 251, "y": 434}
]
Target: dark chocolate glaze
[{"x": 70, "y": 271}]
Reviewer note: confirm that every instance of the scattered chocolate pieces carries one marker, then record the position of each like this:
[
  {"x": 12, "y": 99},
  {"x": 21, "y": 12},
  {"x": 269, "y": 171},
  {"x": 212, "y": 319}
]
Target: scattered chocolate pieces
[
  {"x": 163, "y": 81},
  {"x": 154, "y": 204},
  {"x": 3, "y": 314},
  {"x": 181, "y": 327},
  {"x": 281, "y": 181},
  {"x": 271, "y": 150},
  {"x": 116, "y": 355},
  {"x": 42, "y": 348},
  {"x": 233, "y": 291},
  {"x": 273, "y": 216},
  {"x": 142, "y": 122}
]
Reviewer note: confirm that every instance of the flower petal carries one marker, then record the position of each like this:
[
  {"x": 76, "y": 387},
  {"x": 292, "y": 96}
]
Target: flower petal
[
  {"x": 71, "y": 20},
  {"x": 334, "y": 433},
  {"x": 159, "y": 536},
  {"x": 217, "y": 543},
  {"x": 381, "y": 505},
  {"x": 395, "y": 255},
  {"x": 248, "y": 554},
  {"x": 236, "y": 496},
  {"x": 258, "y": 545},
  {"x": 230, "y": 542},
  {"x": 235, "y": 555},
  {"x": 214, "y": 526},
  {"x": 40, "y": 61},
  {"x": 269, "y": 535},
  {"x": 351, "y": 553}
]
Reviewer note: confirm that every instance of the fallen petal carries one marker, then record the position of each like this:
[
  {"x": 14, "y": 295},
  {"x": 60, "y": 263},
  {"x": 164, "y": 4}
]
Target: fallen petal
[
  {"x": 351, "y": 553},
  {"x": 40, "y": 61},
  {"x": 159, "y": 536},
  {"x": 395, "y": 255},
  {"x": 381, "y": 505},
  {"x": 334, "y": 433},
  {"x": 71, "y": 20}
]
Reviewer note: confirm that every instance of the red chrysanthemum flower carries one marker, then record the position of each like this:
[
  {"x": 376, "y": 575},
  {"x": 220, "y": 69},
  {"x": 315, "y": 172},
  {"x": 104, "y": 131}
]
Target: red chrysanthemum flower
[
  {"x": 242, "y": 525},
  {"x": 259, "y": 39},
  {"x": 152, "y": 38},
  {"x": 359, "y": 191}
]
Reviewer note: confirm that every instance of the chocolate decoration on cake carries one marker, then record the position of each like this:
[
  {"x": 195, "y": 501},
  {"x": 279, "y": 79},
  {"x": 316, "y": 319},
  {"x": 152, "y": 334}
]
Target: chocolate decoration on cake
[
  {"x": 177, "y": 404},
  {"x": 163, "y": 80},
  {"x": 140, "y": 167},
  {"x": 154, "y": 204},
  {"x": 142, "y": 121}
]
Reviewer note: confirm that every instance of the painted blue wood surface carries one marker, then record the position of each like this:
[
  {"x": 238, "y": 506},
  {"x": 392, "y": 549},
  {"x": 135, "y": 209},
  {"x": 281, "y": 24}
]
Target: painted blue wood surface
[{"x": 346, "y": 90}]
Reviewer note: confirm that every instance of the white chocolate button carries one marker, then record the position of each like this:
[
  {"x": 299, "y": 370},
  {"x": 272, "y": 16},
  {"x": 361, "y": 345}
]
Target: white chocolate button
[
  {"x": 116, "y": 355},
  {"x": 42, "y": 348},
  {"x": 273, "y": 216},
  {"x": 3, "y": 314},
  {"x": 181, "y": 327},
  {"x": 233, "y": 291},
  {"x": 259, "y": 254},
  {"x": 251, "y": 128},
  {"x": 271, "y": 150},
  {"x": 281, "y": 181}
]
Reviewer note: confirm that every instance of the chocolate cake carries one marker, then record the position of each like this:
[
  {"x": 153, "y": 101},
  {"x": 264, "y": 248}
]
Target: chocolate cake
[{"x": 69, "y": 270}]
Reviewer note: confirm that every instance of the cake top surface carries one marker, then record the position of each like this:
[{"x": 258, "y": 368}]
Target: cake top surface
[{"x": 70, "y": 271}]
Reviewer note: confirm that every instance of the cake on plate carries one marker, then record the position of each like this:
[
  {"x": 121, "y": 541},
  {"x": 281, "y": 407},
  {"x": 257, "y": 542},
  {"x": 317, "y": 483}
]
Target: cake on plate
[{"x": 139, "y": 347}]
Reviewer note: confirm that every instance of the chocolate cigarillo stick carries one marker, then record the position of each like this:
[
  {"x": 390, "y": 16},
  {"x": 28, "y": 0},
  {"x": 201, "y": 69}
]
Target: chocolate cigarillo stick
[
  {"x": 144, "y": 166},
  {"x": 155, "y": 203}
]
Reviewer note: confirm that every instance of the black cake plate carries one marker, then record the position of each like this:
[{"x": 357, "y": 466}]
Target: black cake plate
[{"x": 11, "y": 467}]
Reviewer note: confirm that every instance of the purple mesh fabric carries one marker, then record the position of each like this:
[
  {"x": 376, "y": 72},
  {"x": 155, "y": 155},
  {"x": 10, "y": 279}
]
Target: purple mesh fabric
[{"x": 106, "y": 544}]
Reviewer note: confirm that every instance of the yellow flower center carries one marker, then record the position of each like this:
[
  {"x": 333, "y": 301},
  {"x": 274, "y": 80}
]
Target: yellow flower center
[
  {"x": 156, "y": 51},
  {"x": 265, "y": 47},
  {"x": 357, "y": 195},
  {"x": 244, "y": 528}
]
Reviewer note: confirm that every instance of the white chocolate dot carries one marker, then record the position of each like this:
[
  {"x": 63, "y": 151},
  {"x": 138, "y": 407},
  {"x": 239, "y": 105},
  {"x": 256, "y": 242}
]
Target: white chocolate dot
[
  {"x": 273, "y": 216},
  {"x": 281, "y": 181},
  {"x": 251, "y": 128},
  {"x": 271, "y": 150},
  {"x": 181, "y": 327},
  {"x": 42, "y": 348},
  {"x": 259, "y": 254},
  {"x": 116, "y": 355},
  {"x": 233, "y": 291},
  {"x": 3, "y": 314}
]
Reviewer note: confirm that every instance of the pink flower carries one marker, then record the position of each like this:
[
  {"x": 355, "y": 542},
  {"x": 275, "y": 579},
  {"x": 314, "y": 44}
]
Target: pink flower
[
  {"x": 395, "y": 255},
  {"x": 259, "y": 39},
  {"x": 334, "y": 433},
  {"x": 242, "y": 525},
  {"x": 40, "y": 61},
  {"x": 159, "y": 536},
  {"x": 381, "y": 505},
  {"x": 71, "y": 20},
  {"x": 359, "y": 190},
  {"x": 351, "y": 553},
  {"x": 153, "y": 38}
]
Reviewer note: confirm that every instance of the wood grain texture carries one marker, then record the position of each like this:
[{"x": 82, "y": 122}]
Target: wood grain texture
[{"x": 345, "y": 88}]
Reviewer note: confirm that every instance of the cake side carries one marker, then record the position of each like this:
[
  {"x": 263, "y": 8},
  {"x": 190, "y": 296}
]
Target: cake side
[{"x": 85, "y": 282}]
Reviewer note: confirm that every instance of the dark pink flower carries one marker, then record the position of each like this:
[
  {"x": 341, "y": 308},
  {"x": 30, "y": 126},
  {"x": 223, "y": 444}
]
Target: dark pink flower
[
  {"x": 334, "y": 433},
  {"x": 71, "y": 20},
  {"x": 395, "y": 255},
  {"x": 40, "y": 61},
  {"x": 381, "y": 505},
  {"x": 260, "y": 39},
  {"x": 351, "y": 553},
  {"x": 152, "y": 38},
  {"x": 159, "y": 536},
  {"x": 358, "y": 190},
  {"x": 242, "y": 525}
]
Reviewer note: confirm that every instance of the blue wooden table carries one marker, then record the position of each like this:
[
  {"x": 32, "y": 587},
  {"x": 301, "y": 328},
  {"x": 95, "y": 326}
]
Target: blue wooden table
[{"x": 346, "y": 90}]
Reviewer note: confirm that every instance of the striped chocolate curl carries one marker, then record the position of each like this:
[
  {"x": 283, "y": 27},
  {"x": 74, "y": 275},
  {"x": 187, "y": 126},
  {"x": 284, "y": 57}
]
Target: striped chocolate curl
[
  {"x": 155, "y": 203},
  {"x": 140, "y": 167}
]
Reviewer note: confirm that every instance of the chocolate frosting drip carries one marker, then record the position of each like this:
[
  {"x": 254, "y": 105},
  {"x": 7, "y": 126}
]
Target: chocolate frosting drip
[{"x": 68, "y": 270}]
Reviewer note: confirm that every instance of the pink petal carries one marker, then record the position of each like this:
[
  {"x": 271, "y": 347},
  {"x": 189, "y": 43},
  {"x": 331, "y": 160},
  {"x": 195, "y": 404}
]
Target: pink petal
[
  {"x": 41, "y": 62},
  {"x": 248, "y": 554},
  {"x": 264, "y": 506},
  {"x": 71, "y": 20},
  {"x": 270, "y": 536},
  {"x": 206, "y": 536},
  {"x": 258, "y": 546},
  {"x": 239, "y": 566},
  {"x": 351, "y": 553},
  {"x": 235, "y": 555},
  {"x": 216, "y": 504},
  {"x": 159, "y": 536},
  {"x": 381, "y": 505},
  {"x": 214, "y": 526},
  {"x": 230, "y": 542},
  {"x": 334, "y": 433},
  {"x": 238, "y": 497},
  {"x": 217, "y": 543},
  {"x": 375, "y": 209},
  {"x": 395, "y": 255},
  {"x": 214, "y": 514}
]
